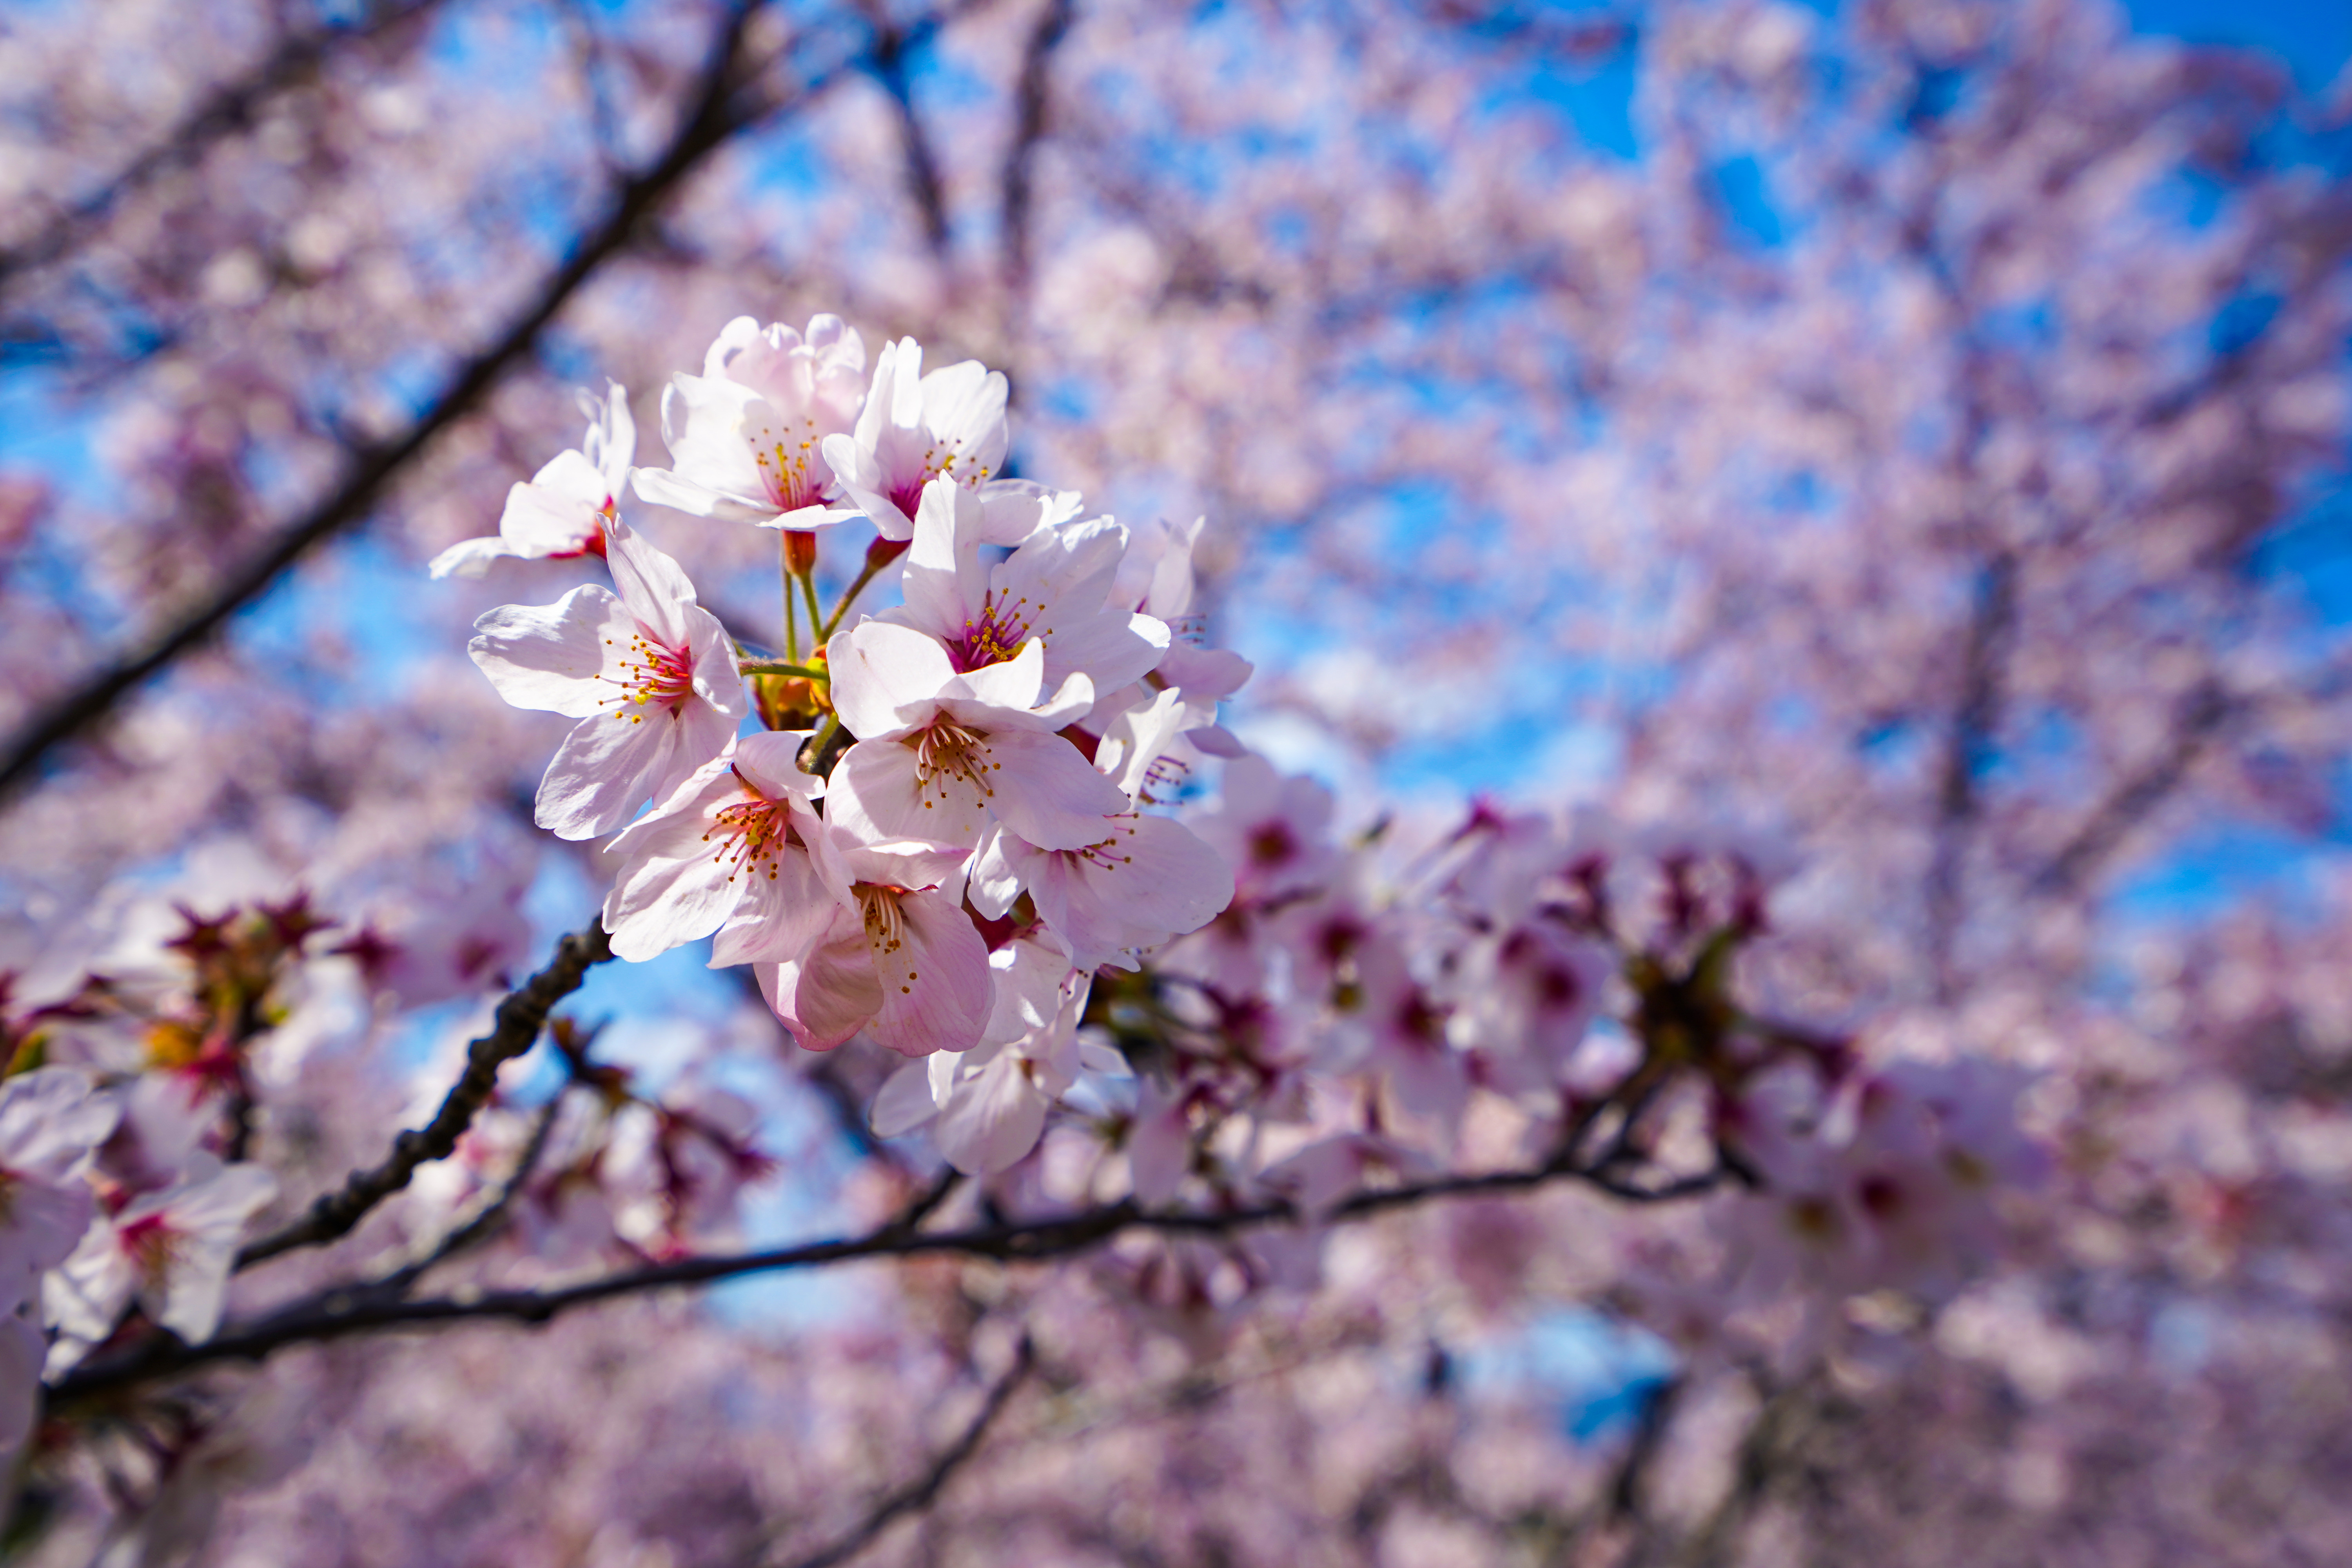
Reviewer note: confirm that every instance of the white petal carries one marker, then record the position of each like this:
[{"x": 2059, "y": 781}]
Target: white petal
[
  {"x": 602, "y": 773},
  {"x": 470, "y": 557},
  {"x": 612, "y": 440},
  {"x": 674, "y": 886},
  {"x": 51, "y": 1120},
  {"x": 783, "y": 915},
  {"x": 662, "y": 487},
  {"x": 1045, "y": 790},
  {"x": 569, "y": 481},
  {"x": 1110, "y": 650},
  {"x": 772, "y": 760},
  {"x": 886, "y": 678},
  {"x": 993, "y": 1119},
  {"x": 553, "y": 657},
  {"x": 944, "y": 582},
  {"x": 654, "y": 588},
  {"x": 997, "y": 691},
  {"x": 879, "y": 792},
  {"x": 993, "y": 886},
  {"x": 85, "y": 1296}
]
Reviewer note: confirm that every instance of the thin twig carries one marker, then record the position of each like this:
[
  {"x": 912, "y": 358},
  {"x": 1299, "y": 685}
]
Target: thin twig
[
  {"x": 866, "y": 574},
  {"x": 921, "y": 1492},
  {"x": 487, "y": 1220},
  {"x": 521, "y": 1017},
  {"x": 339, "y": 1314}
]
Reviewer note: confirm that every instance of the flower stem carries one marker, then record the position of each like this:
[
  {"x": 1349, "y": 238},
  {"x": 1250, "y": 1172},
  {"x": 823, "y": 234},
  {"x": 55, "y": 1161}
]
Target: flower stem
[
  {"x": 816, "y": 616},
  {"x": 879, "y": 554},
  {"x": 791, "y": 605}
]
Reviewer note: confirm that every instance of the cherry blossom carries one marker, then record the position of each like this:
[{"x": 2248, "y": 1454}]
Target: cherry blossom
[
  {"x": 1145, "y": 879},
  {"x": 897, "y": 958},
  {"x": 1852, "y": 490},
  {"x": 735, "y": 850},
  {"x": 942, "y": 754},
  {"x": 1054, "y": 588},
  {"x": 168, "y": 1251},
  {"x": 51, "y": 1121},
  {"x": 650, "y": 675},
  {"x": 745, "y": 436},
  {"x": 987, "y": 1107},
  {"x": 564, "y": 509},
  {"x": 915, "y": 428}
]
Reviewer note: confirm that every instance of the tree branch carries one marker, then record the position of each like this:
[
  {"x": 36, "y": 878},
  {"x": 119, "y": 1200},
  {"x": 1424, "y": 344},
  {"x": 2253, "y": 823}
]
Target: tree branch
[
  {"x": 521, "y": 1017},
  {"x": 490, "y": 1217},
  {"x": 715, "y": 115},
  {"x": 921, "y": 1493},
  {"x": 340, "y": 1314}
]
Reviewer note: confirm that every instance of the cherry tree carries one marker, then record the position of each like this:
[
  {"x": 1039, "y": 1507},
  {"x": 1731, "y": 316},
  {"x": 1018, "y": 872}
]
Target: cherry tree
[{"x": 1858, "y": 1077}]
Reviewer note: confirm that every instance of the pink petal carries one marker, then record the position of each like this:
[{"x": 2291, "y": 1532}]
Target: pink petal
[
  {"x": 602, "y": 773},
  {"x": 836, "y": 989},
  {"x": 772, "y": 760},
  {"x": 780, "y": 916},
  {"x": 992, "y": 1118},
  {"x": 886, "y": 678},
  {"x": 553, "y": 656},
  {"x": 878, "y": 791},
  {"x": 654, "y": 588},
  {"x": 936, "y": 985},
  {"x": 904, "y": 1103},
  {"x": 1046, "y": 792}
]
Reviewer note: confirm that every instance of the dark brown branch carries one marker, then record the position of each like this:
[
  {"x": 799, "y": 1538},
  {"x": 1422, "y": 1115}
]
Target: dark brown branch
[
  {"x": 230, "y": 109},
  {"x": 521, "y": 1017},
  {"x": 339, "y": 1314},
  {"x": 492, "y": 1217},
  {"x": 717, "y": 112},
  {"x": 1028, "y": 130},
  {"x": 921, "y": 1493}
]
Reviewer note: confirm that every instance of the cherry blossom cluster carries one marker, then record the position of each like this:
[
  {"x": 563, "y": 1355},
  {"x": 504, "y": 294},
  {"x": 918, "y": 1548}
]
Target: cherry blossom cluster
[
  {"x": 123, "y": 1122},
  {"x": 978, "y": 758}
]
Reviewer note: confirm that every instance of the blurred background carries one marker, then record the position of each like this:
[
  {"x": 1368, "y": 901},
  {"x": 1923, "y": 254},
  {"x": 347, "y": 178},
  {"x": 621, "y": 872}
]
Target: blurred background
[{"x": 1910, "y": 433}]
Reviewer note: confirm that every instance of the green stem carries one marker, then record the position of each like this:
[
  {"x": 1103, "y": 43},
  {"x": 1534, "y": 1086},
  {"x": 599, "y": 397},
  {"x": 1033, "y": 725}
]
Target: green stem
[
  {"x": 816, "y": 616},
  {"x": 792, "y": 606},
  {"x": 779, "y": 667},
  {"x": 849, "y": 597}
]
